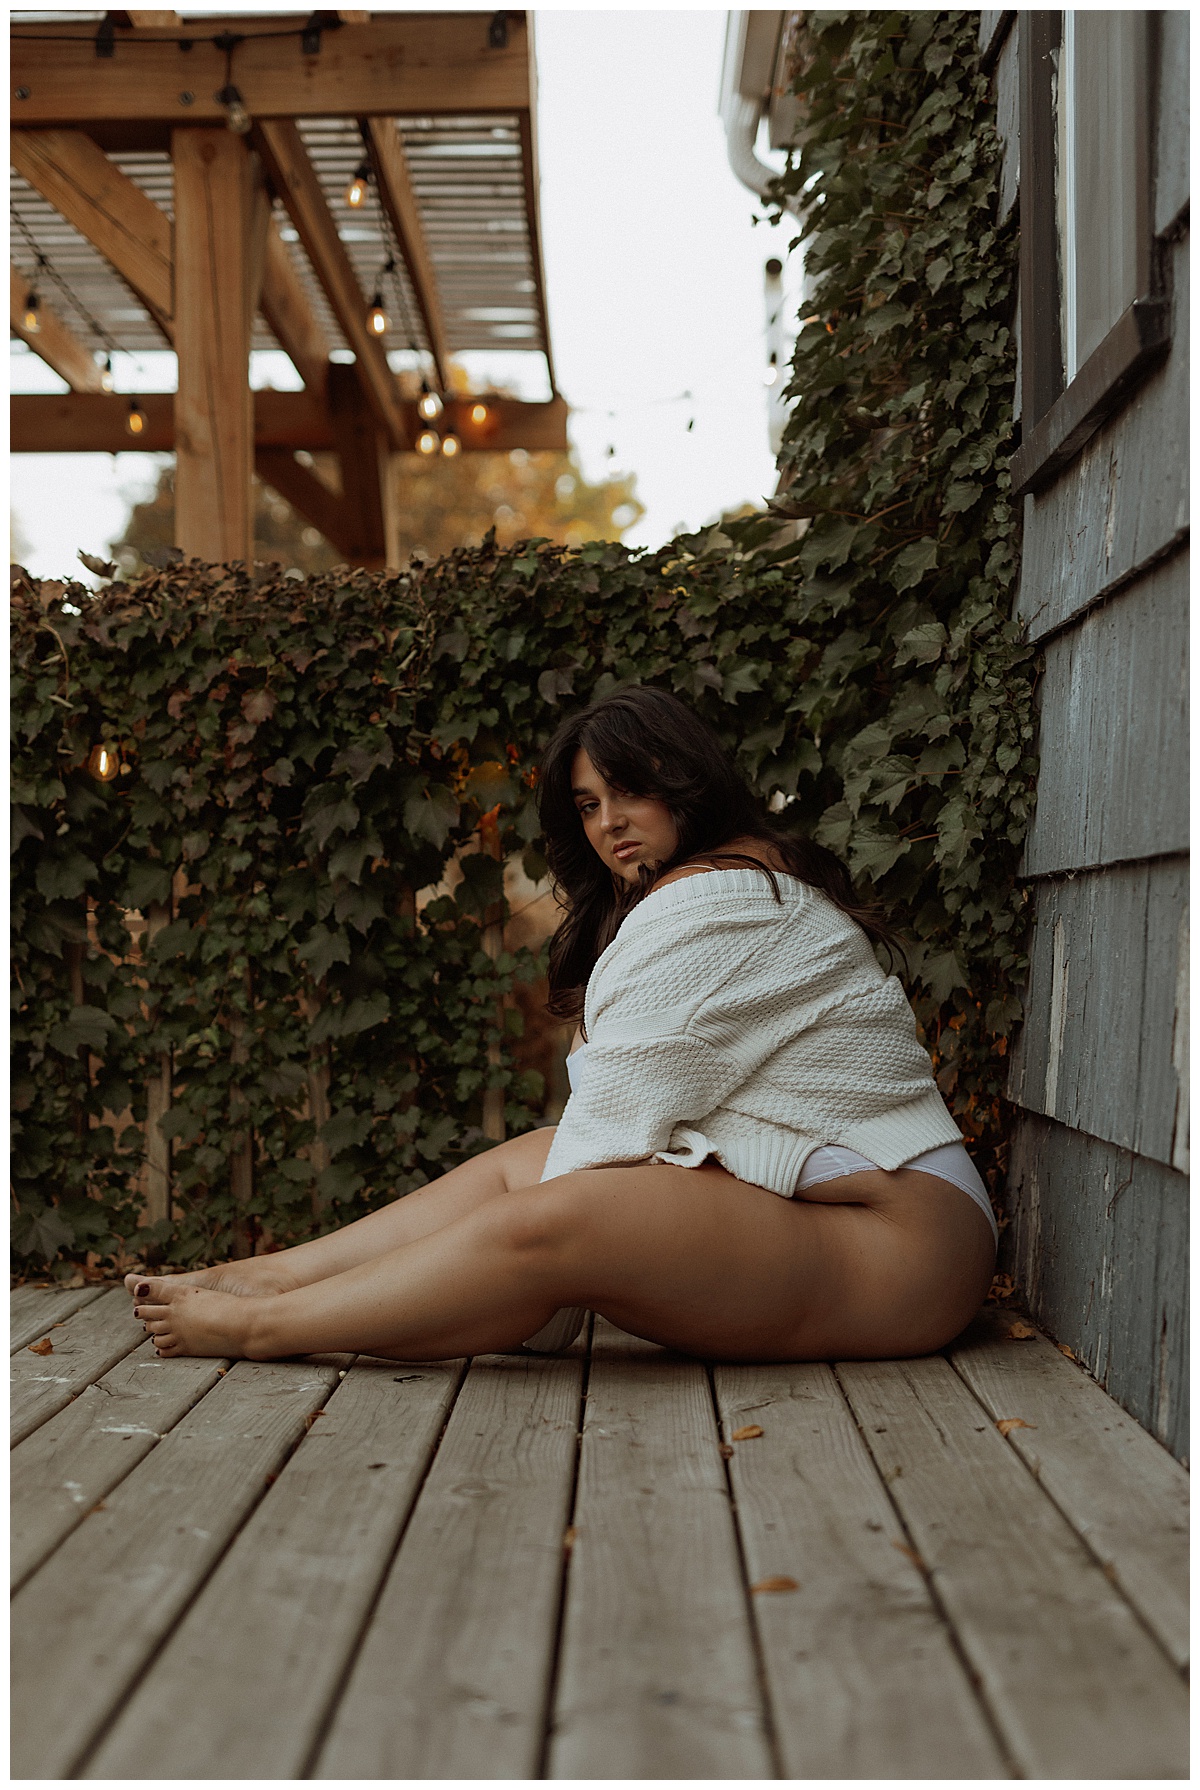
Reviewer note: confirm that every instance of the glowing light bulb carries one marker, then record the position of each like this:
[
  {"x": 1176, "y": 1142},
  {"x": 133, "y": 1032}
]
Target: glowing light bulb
[
  {"x": 106, "y": 375},
  {"x": 137, "y": 419},
  {"x": 771, "y": 375},
  {"x": 429, "y": 405},
  {"x": 236, "y": 115},
  {"x": 427, "y": 442},
  {"x": 31, "y": 317},
  {"x": 103, "y": 763},
  {"x": 479, "y": 413},
  {"x": 377, "y": 317},
  {"x": 450, "y": 445},
  {"x": 356, "y": 192}
]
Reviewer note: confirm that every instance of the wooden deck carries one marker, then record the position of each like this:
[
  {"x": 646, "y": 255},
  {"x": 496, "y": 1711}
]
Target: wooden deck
[{"x": 615, "y": 1564}]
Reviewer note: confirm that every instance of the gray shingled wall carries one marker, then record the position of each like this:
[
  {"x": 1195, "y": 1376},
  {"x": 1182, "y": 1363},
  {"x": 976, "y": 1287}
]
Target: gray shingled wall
[{"x": 1097, "y": 1233}]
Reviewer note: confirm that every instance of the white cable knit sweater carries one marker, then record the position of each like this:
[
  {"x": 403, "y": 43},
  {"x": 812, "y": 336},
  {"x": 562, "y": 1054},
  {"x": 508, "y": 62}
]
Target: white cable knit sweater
[{"x": 721, "y": 1022}]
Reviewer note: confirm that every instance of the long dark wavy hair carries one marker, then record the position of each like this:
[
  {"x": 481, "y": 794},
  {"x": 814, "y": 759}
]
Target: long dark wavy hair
[{"x": 649, "y": 743}]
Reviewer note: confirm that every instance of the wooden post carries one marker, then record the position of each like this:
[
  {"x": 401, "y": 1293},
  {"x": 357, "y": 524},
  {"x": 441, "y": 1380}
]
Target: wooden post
[
  {"x": 218, "y": 264},
  {"x": 493, "y": 944},
  {"x": 370, "y": 523},
  {"x": 157, "y": 1151}
]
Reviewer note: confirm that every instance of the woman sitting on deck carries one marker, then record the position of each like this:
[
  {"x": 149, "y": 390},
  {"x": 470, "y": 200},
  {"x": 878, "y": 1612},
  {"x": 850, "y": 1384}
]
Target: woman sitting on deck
[{"x": 742, "y": 1044}]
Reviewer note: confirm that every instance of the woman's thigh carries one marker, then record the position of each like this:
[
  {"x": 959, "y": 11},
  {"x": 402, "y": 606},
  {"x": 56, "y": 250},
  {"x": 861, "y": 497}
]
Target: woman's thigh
[{"x": 702, "y": 1262}]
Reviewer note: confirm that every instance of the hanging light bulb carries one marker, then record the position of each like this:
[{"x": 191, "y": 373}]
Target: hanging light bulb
[
  {"x": 137, "y": 419},
  {"x": 106, "y": 374},
  {"x": 103, "y": 763},
  {"x": 450, "y": 445},
  {"x": 429, "y": 405},
  {"x": 427, "y": 441},
  {"x": 356, "y": 192},
  {"x": 479, "y": 413},
  {"x": 772, "y": 372},
  {"x": 377, "y": 317},
  {"x": 31, "y": 317},
  {"x": 236, "y": 115}
]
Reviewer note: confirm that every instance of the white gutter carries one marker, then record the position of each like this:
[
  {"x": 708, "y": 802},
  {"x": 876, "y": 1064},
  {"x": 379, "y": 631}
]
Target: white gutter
[{"x": 752, "y": 45}]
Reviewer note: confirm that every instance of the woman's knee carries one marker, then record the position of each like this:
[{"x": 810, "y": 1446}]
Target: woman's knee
[
  {"x": 521, "y": 1160},
  {"x": 542, "y": 1221}
]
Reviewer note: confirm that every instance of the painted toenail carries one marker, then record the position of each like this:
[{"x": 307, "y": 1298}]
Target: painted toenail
[{"x": 142, "y": 1290}]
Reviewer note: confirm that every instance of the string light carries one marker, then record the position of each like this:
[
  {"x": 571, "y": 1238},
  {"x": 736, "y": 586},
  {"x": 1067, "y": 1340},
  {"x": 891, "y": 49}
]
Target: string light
[
  {"x": 103, "y": 763},
  {"x": 137, "y": 419},
  {"x": 377, "y": 317},
  {"x": 56, "y": 279},
  {"x": 356, "y": 192},
  {"x": 31, "y": 318},
  {"x": 427, "y": 441},
  {"x": 106, "y": 375},
  {"x": 429, "y": 405},
  {"x": 450, "y": 445},
  {"x": 236, "y": 115},
  {"x": 479, "y": 413}
]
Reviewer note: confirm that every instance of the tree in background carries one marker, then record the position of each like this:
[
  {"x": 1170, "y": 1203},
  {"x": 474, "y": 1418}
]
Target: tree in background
[{"x": 443, "y": 504}]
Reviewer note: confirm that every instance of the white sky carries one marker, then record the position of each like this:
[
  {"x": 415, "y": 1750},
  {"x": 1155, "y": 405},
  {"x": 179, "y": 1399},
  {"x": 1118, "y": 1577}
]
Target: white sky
[{"x": 654, "y": 269}]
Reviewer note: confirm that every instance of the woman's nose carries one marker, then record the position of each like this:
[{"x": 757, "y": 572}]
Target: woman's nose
[{"x": 611, "y": 818}]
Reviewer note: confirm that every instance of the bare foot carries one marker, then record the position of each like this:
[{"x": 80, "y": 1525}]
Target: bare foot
[
  {"x": 253, "y": 1278},
  {"x": 183, "y": 1319}
]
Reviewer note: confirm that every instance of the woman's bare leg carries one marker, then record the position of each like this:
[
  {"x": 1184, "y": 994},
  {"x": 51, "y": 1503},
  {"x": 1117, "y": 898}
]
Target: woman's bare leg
[
  {"x": 517, "y": 1163},
  {"x": 687, "y": 1257}
]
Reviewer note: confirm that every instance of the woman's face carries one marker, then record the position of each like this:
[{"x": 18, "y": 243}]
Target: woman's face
[{"x": 624, "y": 830}]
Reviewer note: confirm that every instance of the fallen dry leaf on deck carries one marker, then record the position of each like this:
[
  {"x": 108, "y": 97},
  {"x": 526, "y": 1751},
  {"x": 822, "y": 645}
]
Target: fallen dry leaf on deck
[
  {"x": 778, "y": 1581},
  {"x": 1018, "y": 1331},
  {"x": 1069, "y": 1353},
  {"x": 747, "y": 1432},
  {"x": 1013, "y": 1423},
  {"x": 909, "y": 1554},
  {"x": 45, "y": 1347},
  {"x": 569, "y": 1536}
]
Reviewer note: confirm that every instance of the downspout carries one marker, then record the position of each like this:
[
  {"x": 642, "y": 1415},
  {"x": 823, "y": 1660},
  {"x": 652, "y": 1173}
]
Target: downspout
[{"x": 747, "y": 74}]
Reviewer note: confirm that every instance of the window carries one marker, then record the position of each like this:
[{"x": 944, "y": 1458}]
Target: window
[{"x": 1093, "y": 316}]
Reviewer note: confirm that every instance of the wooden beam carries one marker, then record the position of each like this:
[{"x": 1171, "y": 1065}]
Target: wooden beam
[
  {"x": 307, "y": 494},
  {"x": 400, "y": 202},
  {"x": 291, "y": 318},
  {"x": 54, "y": 341},
  {"x": 295, "y": 180},
  {"x": 94, "y": 423},
  {"x": 214, "y": 423},
  {"x": 394, "y": 63},
  {"x": 368, "y": 507},
  {"x": 529, "y": 164},
  {"x": 104, "y": 205}
]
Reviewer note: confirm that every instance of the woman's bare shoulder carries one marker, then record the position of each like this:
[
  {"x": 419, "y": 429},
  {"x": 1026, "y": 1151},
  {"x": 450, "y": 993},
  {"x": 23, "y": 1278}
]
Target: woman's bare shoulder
[{"x": 757, "y": 849}]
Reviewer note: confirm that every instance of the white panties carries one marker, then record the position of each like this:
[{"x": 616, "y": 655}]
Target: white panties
[{"x": 949, "y": 1162}]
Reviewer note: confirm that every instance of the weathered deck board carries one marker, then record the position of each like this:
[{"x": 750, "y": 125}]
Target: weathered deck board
[
  {"x": 862, "y": 1673},
  {"x": 453, "y": 1677},
  {"x": 237, "y": 1605},
  {"x": 1118, "y": 1488},
  {"x": 90, "y": 1342},
  {"x": 62, "y": 1470},
  {"x": 1074, "y": 1682},
  {"x": 32, "y": 1310},
  {"x": 270, "y": 1635},
  {"x": 86, "y": 1624},
  {"x": 658, "y": 1674}
]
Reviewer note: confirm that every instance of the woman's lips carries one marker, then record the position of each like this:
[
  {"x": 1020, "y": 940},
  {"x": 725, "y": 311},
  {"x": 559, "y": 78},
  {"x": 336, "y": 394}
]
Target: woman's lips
[{"x": 627, "y": 848}]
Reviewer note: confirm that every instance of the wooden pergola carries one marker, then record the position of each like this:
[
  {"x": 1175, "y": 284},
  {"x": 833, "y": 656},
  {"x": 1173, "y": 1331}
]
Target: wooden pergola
[{"x": 184, "y": 183}]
